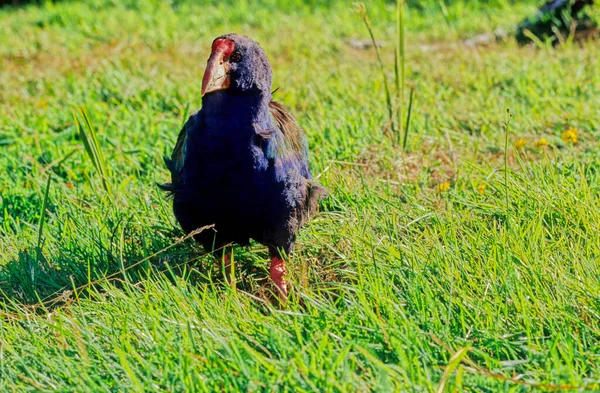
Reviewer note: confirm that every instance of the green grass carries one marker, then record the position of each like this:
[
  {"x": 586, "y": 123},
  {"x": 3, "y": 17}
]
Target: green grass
[{"x": 445, "y": 266}]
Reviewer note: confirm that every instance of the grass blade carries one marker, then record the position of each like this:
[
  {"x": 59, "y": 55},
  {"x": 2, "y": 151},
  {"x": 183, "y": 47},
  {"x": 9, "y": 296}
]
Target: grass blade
[
  {"x": 400, "y": 65},
  {"x": 452, "y": 365},
  {"x": 408, "y": 117},
  {"x": 92, "y": 147},
  {"x": 362, "y": 10},
  {"x": 42, "y": 216}
]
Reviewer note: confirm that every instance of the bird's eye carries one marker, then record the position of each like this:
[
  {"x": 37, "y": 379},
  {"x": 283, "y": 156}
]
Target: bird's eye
[{"x": 235, "y": 57}]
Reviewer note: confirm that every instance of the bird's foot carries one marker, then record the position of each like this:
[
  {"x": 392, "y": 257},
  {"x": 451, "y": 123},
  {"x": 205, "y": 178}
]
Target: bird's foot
[
  {"x": 228, "y": 267},
  {"x": 277, "y": 271}
]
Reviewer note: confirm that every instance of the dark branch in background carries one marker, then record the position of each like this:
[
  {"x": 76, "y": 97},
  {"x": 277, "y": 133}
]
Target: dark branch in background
[{"x": 557, "y": 20}]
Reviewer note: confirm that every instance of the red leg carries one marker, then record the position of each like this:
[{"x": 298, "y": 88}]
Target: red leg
[
  {"x": 226, "y": 266},
  {"x": 277, "y": 275}
]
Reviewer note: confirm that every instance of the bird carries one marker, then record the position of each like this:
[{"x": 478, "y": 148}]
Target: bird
[{"x": 241, "y": 162}]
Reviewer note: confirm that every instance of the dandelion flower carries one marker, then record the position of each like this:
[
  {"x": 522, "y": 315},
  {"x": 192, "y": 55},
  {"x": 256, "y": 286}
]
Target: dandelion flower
[
  {"x": 443, "y": 187},
  {"x": 541, "y": 143},
  {"x": 520, "y": 143},
  {"x": 481, "y": 188},
  {"x": 570, "y": 136}
]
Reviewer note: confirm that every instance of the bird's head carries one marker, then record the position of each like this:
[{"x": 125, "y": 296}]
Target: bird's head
[{"x": 236, "y": 63}]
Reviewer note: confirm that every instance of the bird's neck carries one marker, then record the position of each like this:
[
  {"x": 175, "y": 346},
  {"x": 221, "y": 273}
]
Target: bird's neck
[{"x": 232, "y": 110}]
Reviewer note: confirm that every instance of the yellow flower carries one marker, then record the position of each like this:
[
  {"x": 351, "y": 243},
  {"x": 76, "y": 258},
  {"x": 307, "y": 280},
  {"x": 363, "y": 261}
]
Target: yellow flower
[
  {"x": 443, "y": 187},
  {"x": 520, "y": 143},
  {"x": 42, "y": 103},
  {"x": 541, "y": 143},
  {"x": 570, "y": 136},
  {"x": 481, "y": 188}
]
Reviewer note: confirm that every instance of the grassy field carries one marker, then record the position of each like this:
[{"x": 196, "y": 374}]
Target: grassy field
[{"x": 468, "y": 261}]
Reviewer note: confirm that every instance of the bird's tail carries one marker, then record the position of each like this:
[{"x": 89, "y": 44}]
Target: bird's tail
[
  {"x": 168, "y": 187},
  {"x": 315, "y": 193}
]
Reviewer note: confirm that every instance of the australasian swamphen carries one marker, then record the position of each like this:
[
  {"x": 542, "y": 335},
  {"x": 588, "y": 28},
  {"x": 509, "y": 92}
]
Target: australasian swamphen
[{"x": 241, "y": 162}]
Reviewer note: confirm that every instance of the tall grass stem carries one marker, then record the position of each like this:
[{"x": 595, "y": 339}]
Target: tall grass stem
[
  {"x": 388, "y": 98},
  {"x": 408, "y": 117},
  {"x": 400, "y": 66}
]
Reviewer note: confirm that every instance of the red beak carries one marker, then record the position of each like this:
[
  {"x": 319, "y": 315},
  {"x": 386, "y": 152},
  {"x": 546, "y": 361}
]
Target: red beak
[{"x": 216, "y": 76}]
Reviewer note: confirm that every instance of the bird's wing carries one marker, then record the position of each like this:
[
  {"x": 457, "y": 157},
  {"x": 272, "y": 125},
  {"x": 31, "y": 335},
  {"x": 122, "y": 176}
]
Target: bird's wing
[
  {"x": 295, "y": 148},
  {"x": 175, "y": 162},
  {"x": 293, "y": 136}
]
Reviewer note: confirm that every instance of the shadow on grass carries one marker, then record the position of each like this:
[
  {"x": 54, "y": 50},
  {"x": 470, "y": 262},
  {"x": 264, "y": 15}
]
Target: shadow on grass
[{"x": 39, "y": 282}]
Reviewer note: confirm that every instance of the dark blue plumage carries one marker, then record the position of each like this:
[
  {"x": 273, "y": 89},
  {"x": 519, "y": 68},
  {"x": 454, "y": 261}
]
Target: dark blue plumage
[{"x": 241, "y": 162}]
